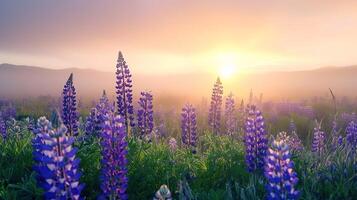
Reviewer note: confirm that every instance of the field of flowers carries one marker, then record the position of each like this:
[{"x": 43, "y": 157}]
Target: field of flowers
[{"x": 128, "y": 149}]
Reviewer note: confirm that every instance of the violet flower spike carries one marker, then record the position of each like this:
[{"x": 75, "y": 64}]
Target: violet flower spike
[
  {"x": 69, "y": 113},
  {"x": 351, "y": 136},
  {"x": 189, "y": 126},
  {"x": 318, "y": 142},
  {"x": 124, "y": 92},
  {"x": 3, "y": 132},
  {"x": 214, "y": 117},
  {"x": 55, "y": 162},
  {"x": 279, "y": 171},
  {"x": 255, "y": 139},
  {"x": 145, "y": 114},
  {"x": 114, "y": 181},
  {"x": 230, "y": 115}
]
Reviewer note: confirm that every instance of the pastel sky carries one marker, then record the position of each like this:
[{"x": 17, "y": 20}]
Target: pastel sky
[{"x": 177, "y": 36}]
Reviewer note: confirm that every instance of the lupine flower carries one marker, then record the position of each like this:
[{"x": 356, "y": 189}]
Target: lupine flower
[
  {"x": 95, "y": 120},
  {"x": 124, "y": 92},
  {"x": 255, "y": 139},
  {"x": 145, "y": 114},
  {"x": 91, "y": 126},
  {"x": 214, "y": 117},
  {"x": 113, "y": 176},
  {"x": 279, "y": 171},
  {"x": 189, "y": 126},
  {"x": 230, "y": 115},
  {"x": 294, "y": 141},
  {"x": 346, "y": 117},
  {"x": 318, "y": 142},
  {"x": 336, "y": 137},
  {"x": 69, "y": 108},
  {"x": 351, "y": 135},
  {"x": 172, "y": 144},
  {"x": 163, "y": 193},
  {"x": 3, "y": 133},
  {"x": 55, "y": 162},
  {"x": 292, "y": 126}
]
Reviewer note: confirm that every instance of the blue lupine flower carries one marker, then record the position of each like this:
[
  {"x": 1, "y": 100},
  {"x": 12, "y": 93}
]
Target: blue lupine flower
[
  {"x": 92, "y": 124},
  {"x": 113, "y": 176},
  {"x": 230, "y": 115},
  {"x": 336, "y": 137},
  {"x": 55, "y": 162},
  {"x": 318, "y": 142},
  {"x": 255, "y": 139},
  {"x": 124, "y": 92},
  {"x": 145, "y": 114},
  {"x": 279, "y": 171},
  {"x": 189, "y": 126},
  {"x": 3, "y": 132},
  {"x": 95, "y": 120},
  {"x": 214, "y": 117},
  {"x": 69, "y": 113},
  {"x": 351, "y": 135}
]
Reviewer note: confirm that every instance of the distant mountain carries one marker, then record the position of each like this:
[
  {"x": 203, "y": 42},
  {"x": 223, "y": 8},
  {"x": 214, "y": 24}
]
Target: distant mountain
[{"x": 27, "y": 81}]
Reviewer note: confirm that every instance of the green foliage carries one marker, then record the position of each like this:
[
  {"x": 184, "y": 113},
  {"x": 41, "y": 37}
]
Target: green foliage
[{"x": 216, "y": 171}]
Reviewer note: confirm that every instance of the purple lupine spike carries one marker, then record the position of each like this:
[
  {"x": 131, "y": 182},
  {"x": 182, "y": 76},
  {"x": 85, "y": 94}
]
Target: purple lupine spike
[
  {"x": 255, "y": 139},
  {"x": 145, "y": 114},
  {"x": 318, "y": 142},
  {"x": 214, "y": 117},
  {"x": 113, "y": 176},
  {"x": 55, "y": 162},
  {"x": 69, "y": 113},
  {"x": 124, "y": 92},
  {"x": 3, "y": 132},
  {"x": 95, "y": 120},
  {"x": 336, "y": 137},
  {"x": 292, "y": 126},
  {"x": 279, "y": 171},
  {"x": 189, "y": 126},
  {"x": 230, "y": 115},
  {"x": 91, "y": 125},
  {"x": 293, "y": 139},
  {"x": 351, "y": 135}
]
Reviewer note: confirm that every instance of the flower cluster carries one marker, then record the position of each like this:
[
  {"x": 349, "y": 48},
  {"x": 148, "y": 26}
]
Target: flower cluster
[
  {"x": 172, "y": 144},
  {"x": 163, "y": 193},
  {"x": 95, "y": 120},
  {"x": 255, "y": 139},
  {"x": 124, "y": 92},
  {"x": 337, "y": 139},
  {"x": 91, "y": 124},
  {"x": 145, "y": 114},
  {"x": 230, "y": 115},
  {"x": 3, "y": 132},
  {"x": 214, "y": 117},
  {"x": 69, "y": 113},
  {"x": 113, "y": 176},
  {"x": 279, "y": 171},
  {"x": 189, "y": 126},
  {"x": 351, "y": 135},
  {"x": 294, "y": 142},
  {"x": 318, "y": 142},
  {"x": 55, "y": 162}
]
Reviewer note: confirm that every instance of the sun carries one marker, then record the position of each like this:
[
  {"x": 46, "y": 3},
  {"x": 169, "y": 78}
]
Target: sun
[
  {"x": 226, "y": 71},
  {"x": 227, "y": 65}
]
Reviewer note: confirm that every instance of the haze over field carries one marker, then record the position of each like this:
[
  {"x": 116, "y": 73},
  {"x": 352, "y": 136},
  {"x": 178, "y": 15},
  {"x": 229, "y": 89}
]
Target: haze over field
[{"x": 15, "y": 82}]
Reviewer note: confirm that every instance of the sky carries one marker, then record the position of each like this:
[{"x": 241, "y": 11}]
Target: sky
[{"x": 179, "y": 36}]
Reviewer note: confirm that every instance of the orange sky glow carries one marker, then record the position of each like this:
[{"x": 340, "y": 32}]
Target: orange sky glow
[{"x": 169, "y": 37}]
